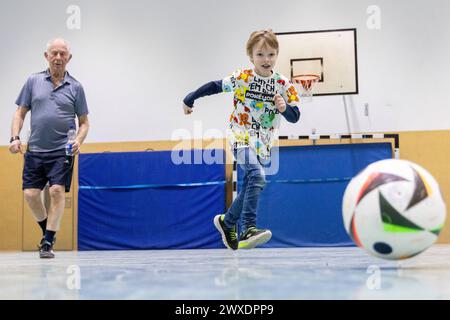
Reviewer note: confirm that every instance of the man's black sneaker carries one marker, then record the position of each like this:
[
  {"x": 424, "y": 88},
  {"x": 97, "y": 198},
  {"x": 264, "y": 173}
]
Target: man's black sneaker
[
  {"x": 46, "y": 249},
  {"x": 229, "y": 235},
  {"x": 253, "y": 237}
]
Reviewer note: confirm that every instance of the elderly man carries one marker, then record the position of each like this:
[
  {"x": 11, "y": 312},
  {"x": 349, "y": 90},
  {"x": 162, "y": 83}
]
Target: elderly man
[{"x": 55, "y": 100}]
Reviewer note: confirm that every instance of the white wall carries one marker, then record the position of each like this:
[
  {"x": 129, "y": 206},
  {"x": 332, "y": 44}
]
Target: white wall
[{"x": 137, "y": 60}]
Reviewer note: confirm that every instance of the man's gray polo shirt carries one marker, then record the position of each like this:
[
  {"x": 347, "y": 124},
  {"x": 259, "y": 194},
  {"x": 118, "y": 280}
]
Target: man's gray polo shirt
[{"x": 53, "y": 110}]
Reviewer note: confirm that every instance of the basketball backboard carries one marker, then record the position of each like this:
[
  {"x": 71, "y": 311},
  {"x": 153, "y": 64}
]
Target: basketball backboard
[{"x": 330, "y": 54}]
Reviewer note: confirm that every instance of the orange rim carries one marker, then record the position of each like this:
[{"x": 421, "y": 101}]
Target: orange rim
[{"x": 306, "y": 80}]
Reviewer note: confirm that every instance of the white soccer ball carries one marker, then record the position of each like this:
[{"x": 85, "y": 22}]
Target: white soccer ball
[{"x": 393, "y": 209}]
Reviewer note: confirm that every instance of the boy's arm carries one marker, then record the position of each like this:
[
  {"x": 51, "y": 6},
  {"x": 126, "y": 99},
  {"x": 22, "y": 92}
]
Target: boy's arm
[
  {"x": 288, "y": 94},
  {"x": 210, "y": 88},
  {"x": 291, "y": 114}
]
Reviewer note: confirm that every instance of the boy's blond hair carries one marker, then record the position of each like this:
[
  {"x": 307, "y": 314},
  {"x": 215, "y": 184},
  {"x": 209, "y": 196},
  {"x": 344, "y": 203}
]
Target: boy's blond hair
[{"x": 269, "y": 38}]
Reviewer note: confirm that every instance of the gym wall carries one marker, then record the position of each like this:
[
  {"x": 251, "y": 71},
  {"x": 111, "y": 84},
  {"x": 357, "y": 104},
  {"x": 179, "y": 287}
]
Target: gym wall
[
  {"x": 138, "y": 59},
  {"x": 18, "y": 231}
]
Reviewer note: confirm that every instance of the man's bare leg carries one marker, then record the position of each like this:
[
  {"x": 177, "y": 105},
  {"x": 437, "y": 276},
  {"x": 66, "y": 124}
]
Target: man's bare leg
[
  {"x": 38, "y": 209},
  {"x": 54, "y": 217},
  {"x": 56, "y": 210}
]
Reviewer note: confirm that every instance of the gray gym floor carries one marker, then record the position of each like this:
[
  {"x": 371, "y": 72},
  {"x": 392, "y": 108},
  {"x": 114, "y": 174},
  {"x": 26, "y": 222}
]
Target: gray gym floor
[{"x": 298, "y": 273}]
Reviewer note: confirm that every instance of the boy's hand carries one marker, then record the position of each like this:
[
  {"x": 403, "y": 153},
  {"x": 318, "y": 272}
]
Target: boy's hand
[
  {"x": 280, "y": 103},
  {"x": 187, "y": 110}
]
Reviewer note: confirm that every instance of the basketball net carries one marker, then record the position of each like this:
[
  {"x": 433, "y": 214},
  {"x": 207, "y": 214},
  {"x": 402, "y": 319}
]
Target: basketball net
[{"x": 306, "y": 82}]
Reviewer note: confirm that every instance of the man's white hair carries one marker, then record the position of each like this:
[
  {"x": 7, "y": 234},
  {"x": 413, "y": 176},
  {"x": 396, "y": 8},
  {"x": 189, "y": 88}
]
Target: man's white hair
[{"x": 49, "y": 44}]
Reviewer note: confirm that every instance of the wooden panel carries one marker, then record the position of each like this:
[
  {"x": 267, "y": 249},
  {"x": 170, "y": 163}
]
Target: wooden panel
[
  {"x": 431, "y": 149},
  {"x": 11, "y": 200}
]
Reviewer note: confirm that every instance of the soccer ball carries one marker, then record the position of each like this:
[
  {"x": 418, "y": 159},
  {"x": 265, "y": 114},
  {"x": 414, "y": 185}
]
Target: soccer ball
[{"x": 393, "y": 209}]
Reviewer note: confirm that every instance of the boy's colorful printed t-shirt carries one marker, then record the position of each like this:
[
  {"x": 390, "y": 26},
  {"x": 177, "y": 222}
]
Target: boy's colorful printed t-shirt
[{"x": 255, "y": 118}]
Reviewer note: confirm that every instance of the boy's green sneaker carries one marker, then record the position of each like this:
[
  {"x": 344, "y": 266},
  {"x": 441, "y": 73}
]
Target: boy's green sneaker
[
  {"x": 253, "y": 237},
  {"x": 229, "y": 235}
]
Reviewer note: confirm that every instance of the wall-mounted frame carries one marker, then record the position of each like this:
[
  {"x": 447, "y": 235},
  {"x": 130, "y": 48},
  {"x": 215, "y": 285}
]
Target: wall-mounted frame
[{"x": 331, "y": 54}]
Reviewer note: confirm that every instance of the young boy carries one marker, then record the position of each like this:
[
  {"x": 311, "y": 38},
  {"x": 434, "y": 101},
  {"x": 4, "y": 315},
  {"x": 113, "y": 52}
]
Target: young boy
[{"x": 260, "y": 96}]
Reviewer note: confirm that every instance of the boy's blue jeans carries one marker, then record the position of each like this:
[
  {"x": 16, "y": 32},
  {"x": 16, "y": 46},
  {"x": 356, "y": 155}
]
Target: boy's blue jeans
[{"x": 246, "y": 203}]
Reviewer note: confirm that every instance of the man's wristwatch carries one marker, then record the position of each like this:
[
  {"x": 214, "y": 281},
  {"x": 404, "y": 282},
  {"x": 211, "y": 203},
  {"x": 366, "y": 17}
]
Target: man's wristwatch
[{"x": 14, "y": 139}]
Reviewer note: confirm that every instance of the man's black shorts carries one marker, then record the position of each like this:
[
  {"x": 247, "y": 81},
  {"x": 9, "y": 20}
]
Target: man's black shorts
[{"x": 42, "y": 167}]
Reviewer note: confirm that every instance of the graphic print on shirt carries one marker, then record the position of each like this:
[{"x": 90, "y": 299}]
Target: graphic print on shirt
[{"x": 255, "y": 117}]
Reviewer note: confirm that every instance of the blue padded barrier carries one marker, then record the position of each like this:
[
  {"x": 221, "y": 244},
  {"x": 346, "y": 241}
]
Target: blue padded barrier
[
  {"x": 143, "y": 200},
  {"x": 301, "y": 204}
]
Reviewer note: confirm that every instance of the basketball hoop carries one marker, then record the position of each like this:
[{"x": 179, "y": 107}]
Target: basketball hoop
[{"x": 306, "y": 82}]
